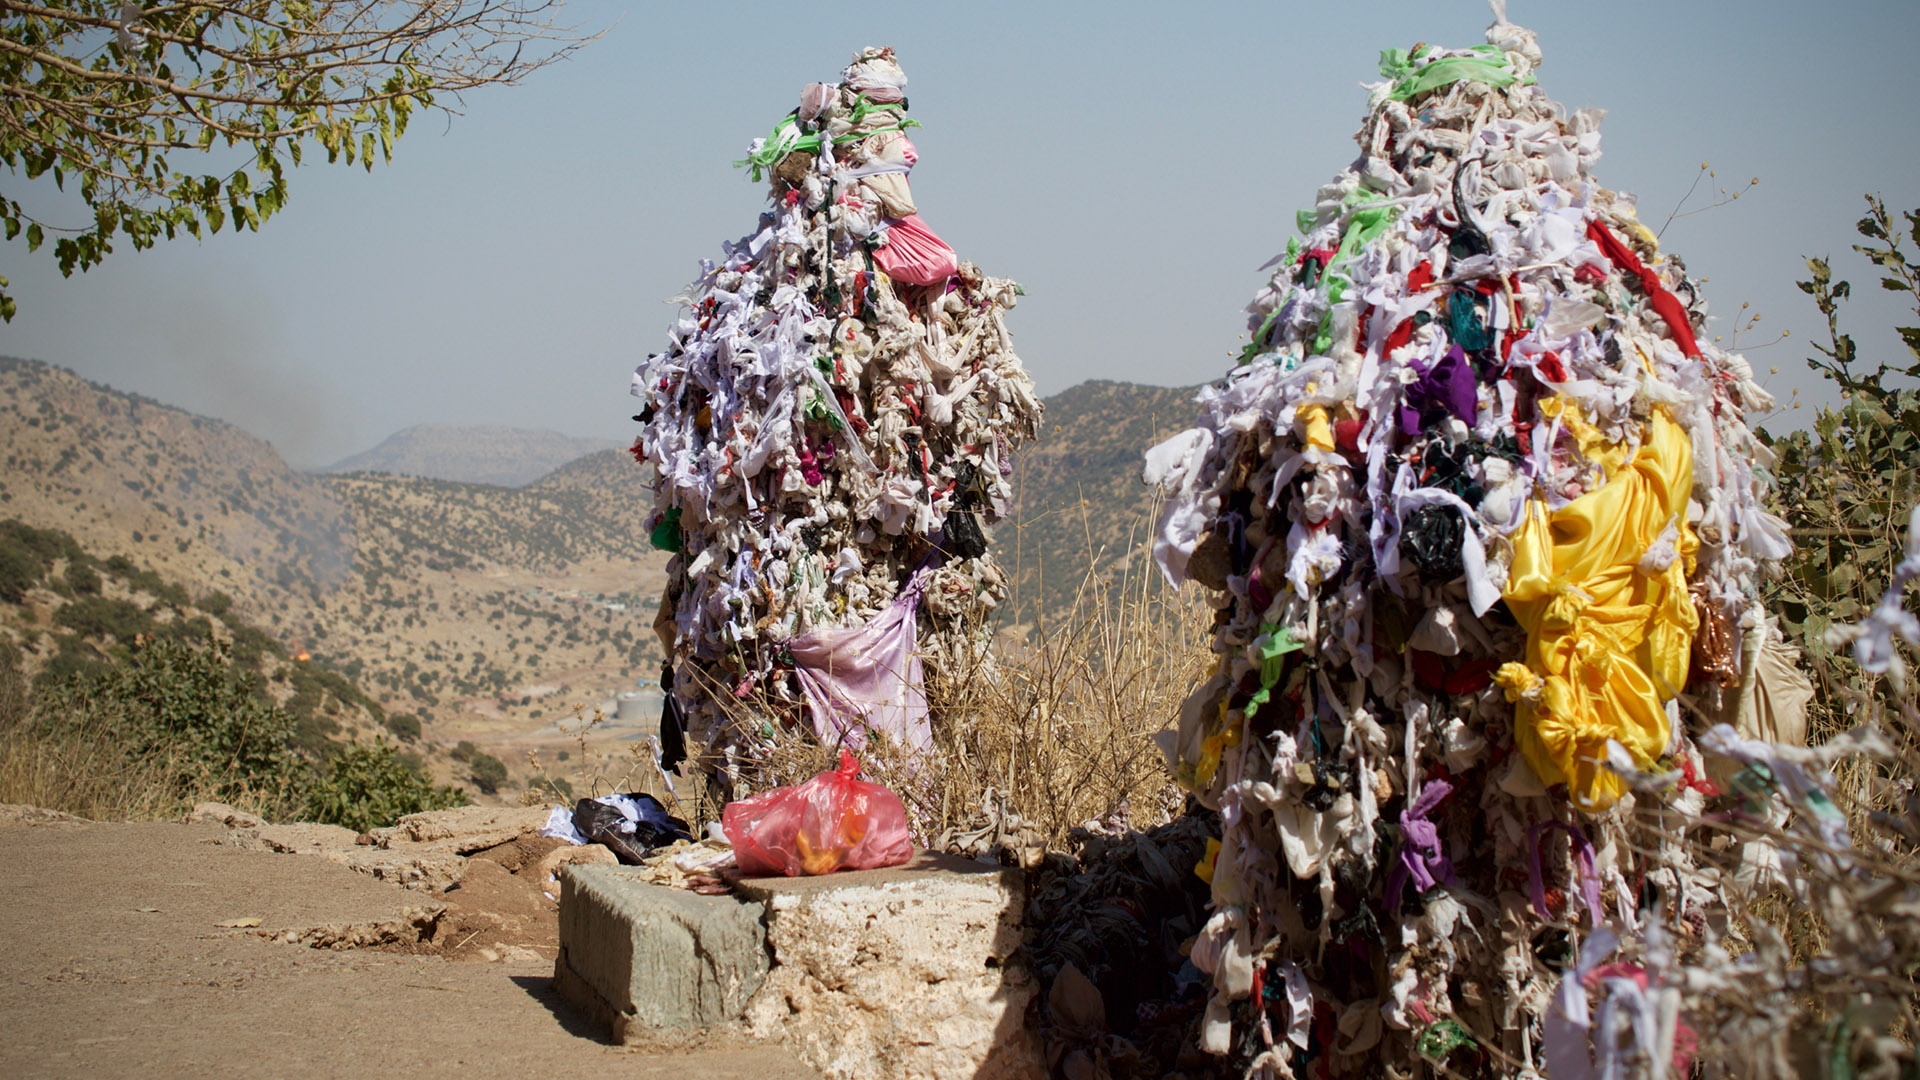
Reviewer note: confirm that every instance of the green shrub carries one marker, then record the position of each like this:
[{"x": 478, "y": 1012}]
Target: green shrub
[
  {"x": 313, "y": 734},
  {"x": 1845, "y": 487},
  {"x": 82, "y": 578},
  {"x": 251, "y": 644},
  {"x": 405, "y": 726},
  {"x": 19, "y": 571},
  {"x": 489, "y": 772},
  {"x": 73, "y": 659},
  {"x": 45, "y": 545},
  {"x": 464, "y": 751},
  {"x": 104, "y": 617},
  {"x": 368, "y": 787},
  {"x": 197, "y": 709}
]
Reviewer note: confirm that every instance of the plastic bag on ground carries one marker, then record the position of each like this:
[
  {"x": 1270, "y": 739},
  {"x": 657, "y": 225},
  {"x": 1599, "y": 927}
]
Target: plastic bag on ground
[{"x": 835, "y": 821}]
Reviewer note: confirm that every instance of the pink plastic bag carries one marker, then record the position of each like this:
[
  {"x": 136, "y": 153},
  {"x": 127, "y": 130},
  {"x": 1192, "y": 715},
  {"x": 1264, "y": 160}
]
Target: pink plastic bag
[
  {"x": 835, "y": 821},
  {"x": 913, "y": 254}
]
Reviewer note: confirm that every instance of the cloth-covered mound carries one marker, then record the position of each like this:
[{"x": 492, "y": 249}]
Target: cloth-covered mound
[
  {"x": 1480, "y": 513},
  {"x": 832, "y": 428}
]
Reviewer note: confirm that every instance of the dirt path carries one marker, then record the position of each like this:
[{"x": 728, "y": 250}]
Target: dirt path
[{"x": 113, "y": 963}]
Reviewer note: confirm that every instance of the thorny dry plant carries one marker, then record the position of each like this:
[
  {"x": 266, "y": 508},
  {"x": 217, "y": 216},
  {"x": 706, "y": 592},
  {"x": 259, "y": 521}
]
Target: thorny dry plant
[{"x": 1811, "y": 969}]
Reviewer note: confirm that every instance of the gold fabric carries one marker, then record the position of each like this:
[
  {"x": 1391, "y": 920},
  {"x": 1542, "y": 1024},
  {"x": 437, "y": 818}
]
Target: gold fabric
[{"x": 1607, "y": 642}]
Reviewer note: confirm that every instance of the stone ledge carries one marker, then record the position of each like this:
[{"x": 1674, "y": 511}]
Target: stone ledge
[
  {"x": 913, "y": 971},
  {"x": 632, "y": 953}
]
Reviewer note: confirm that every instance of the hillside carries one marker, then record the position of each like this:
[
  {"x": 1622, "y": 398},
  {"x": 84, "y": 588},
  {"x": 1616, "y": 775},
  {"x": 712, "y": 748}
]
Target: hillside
[
  {"x": 487, "y": 611},
  {"x": 490, "y": 612},
  {"x": 196, "y": 499},
  {"x": 477, "y": 454},
  {"x": 1079, "y": 502},
  {"x": 124, "y": 693}
]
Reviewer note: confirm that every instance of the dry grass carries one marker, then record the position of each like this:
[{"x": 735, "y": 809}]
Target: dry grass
[
  {"x": 77, "y": 767},
  {"x": 1062, "y": 725},
  {"x": 1052, "y": 725}
]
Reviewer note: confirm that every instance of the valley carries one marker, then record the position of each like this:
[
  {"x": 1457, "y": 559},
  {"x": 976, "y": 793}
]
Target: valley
[{"x": 503, "y": 618}]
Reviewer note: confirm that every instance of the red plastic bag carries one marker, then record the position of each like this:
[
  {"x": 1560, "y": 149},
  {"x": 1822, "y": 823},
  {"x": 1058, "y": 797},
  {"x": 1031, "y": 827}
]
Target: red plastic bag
[{"x": 835, "y": 821}]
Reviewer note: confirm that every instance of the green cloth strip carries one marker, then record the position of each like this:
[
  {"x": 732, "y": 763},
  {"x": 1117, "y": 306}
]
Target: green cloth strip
[
  {"x": 1488, "y": 66},
  {"x": 787, "y": 137}
]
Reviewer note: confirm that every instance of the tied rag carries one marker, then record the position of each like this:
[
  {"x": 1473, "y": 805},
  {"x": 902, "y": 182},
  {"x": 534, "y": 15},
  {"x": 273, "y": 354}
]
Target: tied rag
[
  {"x": 868, "y": 677},
  {"x": 1608, "y": 636}
]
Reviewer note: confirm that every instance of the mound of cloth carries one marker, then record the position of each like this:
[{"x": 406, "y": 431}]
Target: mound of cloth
[
  {"x": 1480, "y": 514},
  {"x": 831, "y": 428}
]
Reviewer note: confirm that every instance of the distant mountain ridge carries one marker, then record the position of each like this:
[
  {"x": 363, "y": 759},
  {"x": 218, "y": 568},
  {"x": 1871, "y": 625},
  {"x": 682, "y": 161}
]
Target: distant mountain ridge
[
  {"x": 472, "y": 454},
  {"x": 470, "y": 602},
  {"x": 463, "y": 602}
]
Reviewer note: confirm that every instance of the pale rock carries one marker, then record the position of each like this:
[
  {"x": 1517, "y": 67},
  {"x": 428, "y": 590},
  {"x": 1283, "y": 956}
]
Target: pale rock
[
  {"x": 463, "y": 829},
  {"x": 14, "y": 814},
  {"x": 548, "y": 873},
  {"x": 215, "y": 813},
  {"x": 909, "y": 972}
]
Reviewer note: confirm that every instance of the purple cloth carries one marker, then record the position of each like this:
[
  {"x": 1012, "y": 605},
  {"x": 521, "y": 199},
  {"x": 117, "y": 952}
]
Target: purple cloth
[
  {"x": 869, "y": 677},
  {"x": 1421, "y": 858},
  {"x": 1448, "y": 385},
  {"x": 1583, "y": 861}
]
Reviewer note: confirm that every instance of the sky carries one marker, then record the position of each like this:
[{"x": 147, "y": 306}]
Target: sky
[{"x": 1132, "y": 165}]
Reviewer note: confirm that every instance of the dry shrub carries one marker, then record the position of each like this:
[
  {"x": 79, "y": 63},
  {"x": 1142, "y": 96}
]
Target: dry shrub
[
  {"x": 80, "y": 766},
  {"x": 1053, "y": 725},
  {"x": 1813, "y": 973},
  {"x": 1059, "y": 728}
]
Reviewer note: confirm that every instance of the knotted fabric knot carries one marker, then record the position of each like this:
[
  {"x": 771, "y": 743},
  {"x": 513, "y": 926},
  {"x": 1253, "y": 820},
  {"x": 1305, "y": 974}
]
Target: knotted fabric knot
[
  {"x": 1519, "y": 682},
  {"x": 1569, "y": 600},
  {"x": 1421, "y": 858}
]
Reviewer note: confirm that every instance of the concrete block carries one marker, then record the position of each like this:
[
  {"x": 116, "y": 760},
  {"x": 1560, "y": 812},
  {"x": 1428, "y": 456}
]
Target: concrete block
[
  {"x": 640, "y": 956},
  {"x": 913, "y": 971}
]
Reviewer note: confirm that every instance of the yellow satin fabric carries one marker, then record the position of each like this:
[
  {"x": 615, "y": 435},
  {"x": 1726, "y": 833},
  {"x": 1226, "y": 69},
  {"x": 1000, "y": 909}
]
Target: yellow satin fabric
[
  {"x": 1314, "y": 426},
  {"x": 1607, "y": 644}
]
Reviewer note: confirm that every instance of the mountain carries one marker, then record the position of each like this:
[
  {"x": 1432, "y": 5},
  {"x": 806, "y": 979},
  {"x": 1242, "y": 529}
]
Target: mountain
[
  {"x": 1079, "y": 505},
  {"x": 489, "y": 611},
  {"x": 479, "y": 454},
  {"x": 196, "y": 499}
]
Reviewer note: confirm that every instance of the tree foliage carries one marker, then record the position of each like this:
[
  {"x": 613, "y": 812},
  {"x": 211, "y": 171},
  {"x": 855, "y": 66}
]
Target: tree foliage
[
  {"x": 366, "y": 787},
  {"x": 1846, "y": 487},
  {"x": 193, "y": 707},
  {"x": 106, "y": 99}
]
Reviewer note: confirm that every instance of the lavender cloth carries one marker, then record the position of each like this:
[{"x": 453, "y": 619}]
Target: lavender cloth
[
  {"x": 1583, "y": 864},
  {"x": 1421, "y": 857},
  {"x": 868, "y": 678}
]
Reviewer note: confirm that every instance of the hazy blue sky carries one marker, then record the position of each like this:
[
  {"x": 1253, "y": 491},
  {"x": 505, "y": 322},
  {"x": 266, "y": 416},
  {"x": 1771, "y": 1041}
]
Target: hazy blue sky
[{"x": 1131, "y": 164}]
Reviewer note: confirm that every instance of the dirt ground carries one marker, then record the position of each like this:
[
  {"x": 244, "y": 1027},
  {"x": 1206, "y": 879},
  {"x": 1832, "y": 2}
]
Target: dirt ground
[{"x": 114, "y": 962}]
